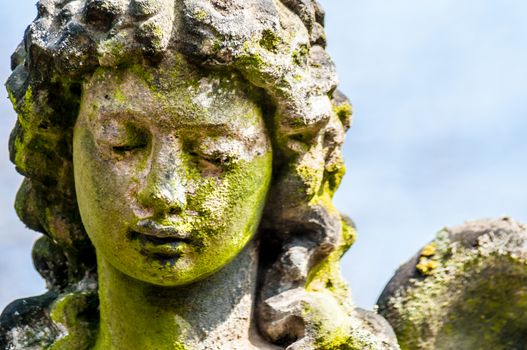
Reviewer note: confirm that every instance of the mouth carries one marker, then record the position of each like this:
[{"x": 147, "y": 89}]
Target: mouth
[{"x": 158, "y": 241}]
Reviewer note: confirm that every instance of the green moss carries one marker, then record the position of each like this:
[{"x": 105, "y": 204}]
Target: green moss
[
  {"x": 270, "y": 41},
  {"x": 349, "y": 236},
  {"x": 469, "y": 298},
  {"x": 201, "y": 15},
  {"x": 152, "y": 36},
  {"x": 111, "y": 52},
  {"x": 68, "y": 311},
  {"x": 26, "y": 108},
  {"x": 141, "y": 71},
  {"x": 311, "y": 178},
  {"x": 157, "y": 32},
  {"x": 327, "y": 275},
  {"x": 331, "y": 327},
  {"x": 216, "y": 46},
  {"x": 149, "y": 326},
  {"x": 344, "y": 112},
  {"x": 334, "y": 177},
  {"x": 298, "y": 78},
  {"x": 251, "y": 62},
  {"x": 119, "y": 96},
  {"x": 299, "y": 56},
  {"x": 339, "y": 340}
]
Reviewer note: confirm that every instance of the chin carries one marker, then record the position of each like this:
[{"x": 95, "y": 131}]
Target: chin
[{"x": 167, "y": 272}]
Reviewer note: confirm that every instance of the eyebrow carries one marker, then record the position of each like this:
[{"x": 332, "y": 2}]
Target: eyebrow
[
  {"x": 226, "y": 130},
  {"x": 218, "y": 128}
]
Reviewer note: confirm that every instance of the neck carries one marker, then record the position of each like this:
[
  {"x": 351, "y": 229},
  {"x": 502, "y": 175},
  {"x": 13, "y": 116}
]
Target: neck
[{"x": 214, "y": 313}]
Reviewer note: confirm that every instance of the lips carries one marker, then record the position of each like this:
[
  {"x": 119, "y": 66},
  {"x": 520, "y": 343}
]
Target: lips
[
  {"x": 154, "y": 229},
  {"x": 159, "y": 241}
]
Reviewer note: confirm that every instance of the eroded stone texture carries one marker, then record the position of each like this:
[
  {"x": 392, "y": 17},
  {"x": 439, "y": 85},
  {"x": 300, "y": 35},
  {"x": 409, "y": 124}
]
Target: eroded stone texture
[
  {"x": 467, "y": 289},
  {"x": 180, "y": 158}
]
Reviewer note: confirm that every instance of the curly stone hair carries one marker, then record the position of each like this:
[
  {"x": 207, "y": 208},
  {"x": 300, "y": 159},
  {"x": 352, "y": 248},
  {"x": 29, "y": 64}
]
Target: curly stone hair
[{"x": 278, "y": 46}]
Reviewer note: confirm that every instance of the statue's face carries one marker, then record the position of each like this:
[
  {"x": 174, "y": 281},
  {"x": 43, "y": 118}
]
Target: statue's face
[{"x": 172, "y": 167}]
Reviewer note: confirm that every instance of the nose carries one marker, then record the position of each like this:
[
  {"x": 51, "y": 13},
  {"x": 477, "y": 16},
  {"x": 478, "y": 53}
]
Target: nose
[{"x": 164, "y": 187}]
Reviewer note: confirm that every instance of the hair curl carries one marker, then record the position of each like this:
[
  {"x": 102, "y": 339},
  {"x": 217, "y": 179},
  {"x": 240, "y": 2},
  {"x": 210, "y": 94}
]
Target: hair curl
[{"x": 277, "y": 46}]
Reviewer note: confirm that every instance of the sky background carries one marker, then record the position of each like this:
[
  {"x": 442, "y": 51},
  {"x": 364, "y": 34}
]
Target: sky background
[{"x": 439, "y": 133}]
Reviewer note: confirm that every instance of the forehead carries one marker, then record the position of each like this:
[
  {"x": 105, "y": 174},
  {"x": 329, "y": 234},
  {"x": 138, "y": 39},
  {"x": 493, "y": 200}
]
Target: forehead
[{"x": 172, "y": 95}]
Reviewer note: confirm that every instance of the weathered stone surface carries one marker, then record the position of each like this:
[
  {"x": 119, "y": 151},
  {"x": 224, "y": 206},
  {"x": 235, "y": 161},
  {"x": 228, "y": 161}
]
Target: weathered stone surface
[
  {"x": 25, "y": 323},
  {"x": 467, "y": 289},
  {"x": 181, "y": 157}
]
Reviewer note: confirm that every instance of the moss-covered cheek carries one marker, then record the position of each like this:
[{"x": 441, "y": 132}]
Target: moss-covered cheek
[{"x": 154, "y": 203}]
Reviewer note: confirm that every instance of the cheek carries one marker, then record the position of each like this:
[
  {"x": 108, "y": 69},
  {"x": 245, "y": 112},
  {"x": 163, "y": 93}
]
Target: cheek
[
  {"x": 212, "y": 200},
  {"x": 101, "y": 187},
  {"x": 230, "y": 207}
]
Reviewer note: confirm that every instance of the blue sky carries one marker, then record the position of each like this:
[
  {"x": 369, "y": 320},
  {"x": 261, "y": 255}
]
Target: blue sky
[{"x": 439, "y": 133}]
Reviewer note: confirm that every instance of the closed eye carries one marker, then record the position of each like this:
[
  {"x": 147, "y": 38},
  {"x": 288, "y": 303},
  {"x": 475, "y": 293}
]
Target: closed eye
[
  {"x": 134, "y": 139},
  {"x": 128, "y": 148},
  {"x": 210, "y": 160}
]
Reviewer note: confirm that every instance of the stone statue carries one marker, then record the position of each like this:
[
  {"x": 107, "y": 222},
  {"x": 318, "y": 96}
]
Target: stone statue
[
  {"x": 467, "y": 289},
  {"x": 180, "y": 158}
]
